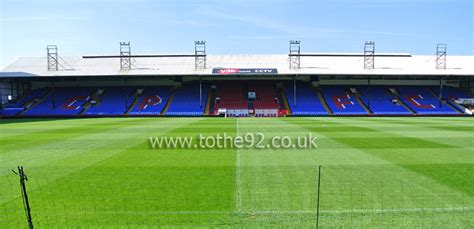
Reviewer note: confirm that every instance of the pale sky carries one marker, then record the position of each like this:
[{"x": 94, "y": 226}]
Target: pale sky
[{"x": 84, "y": 27}]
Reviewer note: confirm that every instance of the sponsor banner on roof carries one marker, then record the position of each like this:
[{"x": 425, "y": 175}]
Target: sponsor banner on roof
[{"x": 244, "y": 71}]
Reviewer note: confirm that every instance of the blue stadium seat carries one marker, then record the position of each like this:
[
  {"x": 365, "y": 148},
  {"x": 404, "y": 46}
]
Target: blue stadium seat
[
  {"x": 381, "y": 101},
  {"x": 67, "y": 101},
  {"x": 116, "y": 100},
  {"x": 113, "y": 101},
  {"x": 152, "y": 101},
  {"x": 20, "y": 105},
  {"x": 341, "y": 102},
  {"x": 186, "y": 101},
  {"x": 451, "y": 92},
  {"x": 307, "y": 101},
  {"x": 423, "y": 101}
]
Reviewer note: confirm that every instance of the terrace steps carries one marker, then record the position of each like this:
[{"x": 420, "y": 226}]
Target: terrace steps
[
  {"x": 450, "y": 106},
  {"x": 366, "y": 108},
  {"x": 444, "y": 103},
  {"x": 208, "y": 103},
  {"x": 322, "y": 100},
  {"x": 33, "y": 104},
  {"x": 88, "y": 103},
  {"x": 405, "y": 105},
  {"x": 458, "y": 107},
  {"x": 285, "y": 101},
  {"x": 134, "y": 103},
  {"x": 168, "y": 103},
  {"x": 85, "y": 108},
  {"x": 394, "y": 92}
]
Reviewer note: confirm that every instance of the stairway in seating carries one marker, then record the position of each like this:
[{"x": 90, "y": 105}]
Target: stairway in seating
[
  {"x": 208, "y": 102},
  {"x": 88, "y": 104},
  {"x": 285, "y": 100},
  {"x": 322, "y": 100},
  {"x": 395, "y": 93},
  {"x": 357, "y": 95},
  {"x": 85, "y": 108},
  {"x": 137, "y": 96},
  {"x": 444, "y": 103},
  {"x": 33, "y": 104},
  {"x": 212, "y": 105},
  {"x": 170, "y": 100}
]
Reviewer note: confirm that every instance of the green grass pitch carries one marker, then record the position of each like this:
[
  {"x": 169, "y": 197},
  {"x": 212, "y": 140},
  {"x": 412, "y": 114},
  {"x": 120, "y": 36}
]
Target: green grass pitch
[{"x": 375, "y": 173}]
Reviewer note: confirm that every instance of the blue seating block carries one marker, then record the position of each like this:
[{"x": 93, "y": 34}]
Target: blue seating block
[
  {"x": 186, "y": 101},
  {"x": 307, "y": 102}
]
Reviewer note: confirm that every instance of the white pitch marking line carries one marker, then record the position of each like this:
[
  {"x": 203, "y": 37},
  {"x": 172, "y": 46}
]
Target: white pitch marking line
[
  {"x": 401, "y": 210},
  {"x": 238, "y": 195},
  {"x": 301, "y": 212}
]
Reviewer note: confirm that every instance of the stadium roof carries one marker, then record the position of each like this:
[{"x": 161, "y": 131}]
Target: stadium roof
[{"x": 334, "y": 64}]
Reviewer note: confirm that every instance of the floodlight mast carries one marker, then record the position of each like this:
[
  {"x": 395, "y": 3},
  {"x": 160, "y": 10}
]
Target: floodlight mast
[
  {"x": 200, "y": 57},
  {"x": 294, "y": 54},
  {"x": 52, "y": 57},
  {"x": 369, "y": 63},
  {"x": 441, "y": 53},
  {"x": 369, "y": 55},
  {"x": 125, "y": 56},
  {"x": 295, "y": 62}
]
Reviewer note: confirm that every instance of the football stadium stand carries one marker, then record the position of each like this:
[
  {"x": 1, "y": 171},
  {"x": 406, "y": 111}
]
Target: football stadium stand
[
  {"x": 187, "y": 102},
  {"x": 423, "y": 101},
  {"x": 152, "y": 101},
  {"x": 110, "y": 101},
  {"x": 451, "y": 93},
  {"x": 266, "y": 102},
  {"x": 381, "y": 101},
  {"x": 307, "y": 101},
  {"x": 24, "y": 103},
  {"x": 62, "y": 101},
  {"x": 265, "y": 96},
  {"x": 309, "y": 84},
  {"x": 341, "y": 101},
  {"x": 231, "y": 97}
]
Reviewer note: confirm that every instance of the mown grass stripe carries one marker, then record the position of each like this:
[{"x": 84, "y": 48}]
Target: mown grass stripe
[{"x": 441, "y": 176}]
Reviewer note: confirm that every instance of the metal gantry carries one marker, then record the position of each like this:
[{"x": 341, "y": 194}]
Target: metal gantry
[
  {"x": 52, "y": 57},
  {"x": 200, "y": 57},
  {"x": 125, "y": 56},
  {"x": 294, "y": 54},
  {"x": 441, "y": 52},
  {"x": 369, "y": 55}
]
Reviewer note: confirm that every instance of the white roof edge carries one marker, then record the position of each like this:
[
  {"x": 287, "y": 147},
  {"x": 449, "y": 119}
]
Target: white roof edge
[{"x": 319, "y": 65}]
